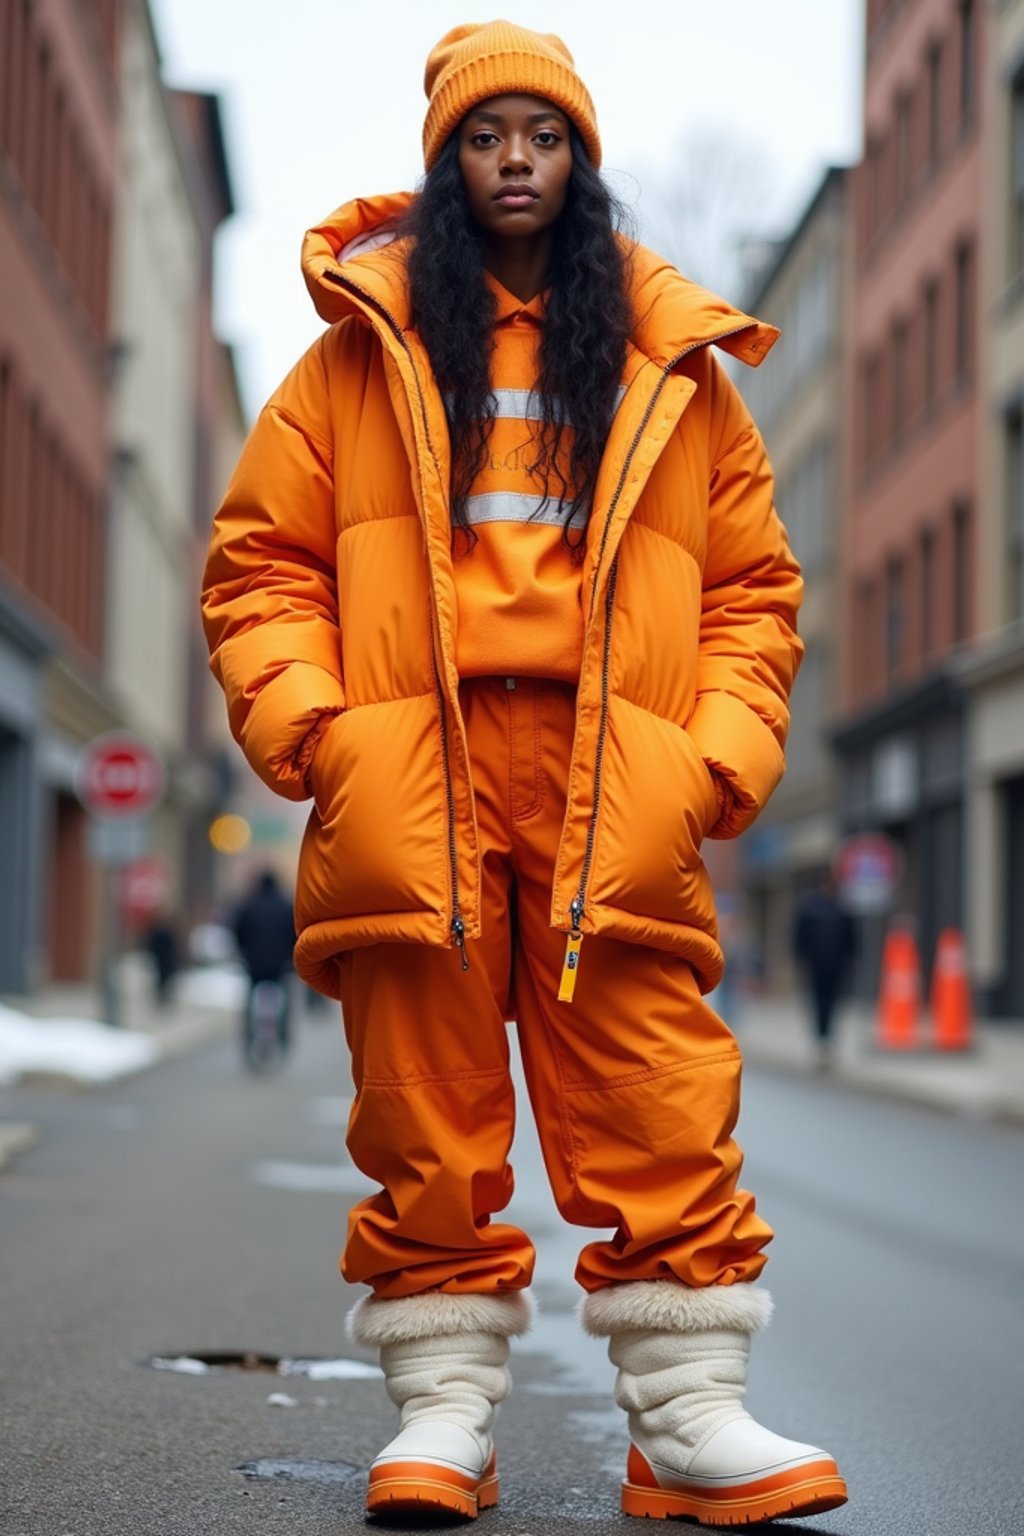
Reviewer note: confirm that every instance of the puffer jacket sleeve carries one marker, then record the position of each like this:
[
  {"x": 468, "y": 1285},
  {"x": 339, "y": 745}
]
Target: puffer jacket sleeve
[
  {"x": 749, "y": 650},
  {"x": 270, "y": 601}
]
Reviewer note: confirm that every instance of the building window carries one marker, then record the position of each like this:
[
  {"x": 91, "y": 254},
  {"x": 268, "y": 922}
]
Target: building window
[
  {"x": 933, "y": 69},
  {"x": 872, "y": 408},
  {"x": 904, "y": 107},
  {"x": 961, "y": 569},
  {"x": 927, "y": 574},
  {"x": 876, "y": 185},
  {"x": 964, "y": 301},
  {"x": 864, "y": 639},
  {"x": 968, "y": 60},
  {"x": 895, "y": 616},
  {"x": 898, "y": 398},
  {"x": 930, "y": 327},
  {"x": 1017, "y": 174},
  {"x": 1015, "y": 509}
]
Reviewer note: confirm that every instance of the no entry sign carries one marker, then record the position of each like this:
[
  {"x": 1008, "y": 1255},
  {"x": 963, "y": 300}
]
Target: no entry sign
[{"x": 120, "y": 774}]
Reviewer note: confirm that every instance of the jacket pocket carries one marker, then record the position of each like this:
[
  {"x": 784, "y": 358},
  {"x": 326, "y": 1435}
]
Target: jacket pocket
[
  {"x": 376, "y": 840},
  {"x": 657, "y": 801}
]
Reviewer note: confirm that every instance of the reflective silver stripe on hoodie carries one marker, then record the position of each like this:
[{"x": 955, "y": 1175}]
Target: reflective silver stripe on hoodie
[
  {"x": 519, "y": 507},
  {"x": 524, "y": 405}
]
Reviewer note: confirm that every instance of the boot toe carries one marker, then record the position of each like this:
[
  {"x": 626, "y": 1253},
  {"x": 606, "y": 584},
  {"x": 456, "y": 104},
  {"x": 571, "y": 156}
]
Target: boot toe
[
  {"x": 745, "y": 1449},
  {"x": 433, "y": 1468},
  {"x": 742, "y": 1486}
]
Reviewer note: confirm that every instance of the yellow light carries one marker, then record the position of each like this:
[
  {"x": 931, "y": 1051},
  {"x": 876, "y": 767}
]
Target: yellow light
[{"x": 230, "y": 834}]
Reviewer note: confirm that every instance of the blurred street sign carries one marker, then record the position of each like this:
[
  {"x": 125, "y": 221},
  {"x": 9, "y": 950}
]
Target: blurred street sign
[
  {"x": 868, "y": 867},
  {"x": 118, "y": 839},
  {"x": 120, "y": 774},
  {"x": 144, "y": 886}
]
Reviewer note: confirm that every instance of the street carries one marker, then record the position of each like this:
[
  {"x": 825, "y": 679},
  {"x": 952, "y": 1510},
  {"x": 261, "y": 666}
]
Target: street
[{"x": 193, "y": 1210}]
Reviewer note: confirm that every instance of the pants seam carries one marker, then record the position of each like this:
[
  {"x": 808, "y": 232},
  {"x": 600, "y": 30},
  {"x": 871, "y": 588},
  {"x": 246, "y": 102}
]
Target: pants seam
[
  {"x": 649, "y": 1074},
  {"x": 472, "y": 1075}
]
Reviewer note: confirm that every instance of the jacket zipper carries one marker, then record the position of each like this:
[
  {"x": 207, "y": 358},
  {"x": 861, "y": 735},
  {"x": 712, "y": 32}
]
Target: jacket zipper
[
  {"x": 577, "y": 907},
  {"x": 456, "y": 926}
]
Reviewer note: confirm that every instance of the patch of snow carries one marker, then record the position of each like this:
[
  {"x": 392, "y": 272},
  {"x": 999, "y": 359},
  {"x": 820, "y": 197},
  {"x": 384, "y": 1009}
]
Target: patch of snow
[
  {"x": 80, "y": 1049},
  {"x": 182, "y": 1363},
  {"x": 282, "y": 1400},
  {"x": 213, "y": 986},
  {"x": 331, "y": 1370}
]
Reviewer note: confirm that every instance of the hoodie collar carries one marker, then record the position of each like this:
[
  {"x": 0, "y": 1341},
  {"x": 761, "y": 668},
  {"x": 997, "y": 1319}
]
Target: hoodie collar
[{"x": 354, "y": 255}]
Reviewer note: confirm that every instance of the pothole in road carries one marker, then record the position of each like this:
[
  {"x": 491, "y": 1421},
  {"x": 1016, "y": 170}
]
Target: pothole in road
[
  {"x": 206, "y": 1361},
  {"x": 269, "y": 1470}
]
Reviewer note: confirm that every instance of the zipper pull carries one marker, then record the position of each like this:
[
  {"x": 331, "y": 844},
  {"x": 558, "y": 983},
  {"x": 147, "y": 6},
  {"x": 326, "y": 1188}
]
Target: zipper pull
[
  {"x": 571, "y": 963},
  {"x": 459, "y": 935}
]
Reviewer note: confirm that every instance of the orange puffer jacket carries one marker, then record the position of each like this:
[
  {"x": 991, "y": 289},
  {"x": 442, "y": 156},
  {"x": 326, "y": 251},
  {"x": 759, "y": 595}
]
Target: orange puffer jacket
[{"x": 330, "y": 610}]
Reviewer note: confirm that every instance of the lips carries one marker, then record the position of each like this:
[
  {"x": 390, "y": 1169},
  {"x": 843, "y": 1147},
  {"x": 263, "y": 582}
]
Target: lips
[{"x": 516, "y": 196}]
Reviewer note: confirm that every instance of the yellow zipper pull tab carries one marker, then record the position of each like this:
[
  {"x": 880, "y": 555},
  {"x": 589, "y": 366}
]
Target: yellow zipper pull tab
[{"x": 571, "y": 963}]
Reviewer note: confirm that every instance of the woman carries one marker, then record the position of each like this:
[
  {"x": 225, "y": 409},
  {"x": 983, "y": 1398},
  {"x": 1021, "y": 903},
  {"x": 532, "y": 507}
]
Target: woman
[{"x": 499, "y": 582}]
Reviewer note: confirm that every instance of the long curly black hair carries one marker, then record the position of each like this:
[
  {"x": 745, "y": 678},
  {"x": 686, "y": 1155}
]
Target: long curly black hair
[{"x": 583, "y": 349}]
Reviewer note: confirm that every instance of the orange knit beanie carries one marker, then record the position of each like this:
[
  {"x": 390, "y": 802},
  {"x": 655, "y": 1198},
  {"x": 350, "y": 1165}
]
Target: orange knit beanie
[{"x": 473, "y": 62}]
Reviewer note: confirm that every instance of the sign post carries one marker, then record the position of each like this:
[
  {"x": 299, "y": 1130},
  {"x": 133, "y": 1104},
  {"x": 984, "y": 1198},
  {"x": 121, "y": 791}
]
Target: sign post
[{"x": 121, "y": 779}]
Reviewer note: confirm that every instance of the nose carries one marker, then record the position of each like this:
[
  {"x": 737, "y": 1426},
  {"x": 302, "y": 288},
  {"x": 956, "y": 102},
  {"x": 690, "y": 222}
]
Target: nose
[{"x": 517, "y": 160}]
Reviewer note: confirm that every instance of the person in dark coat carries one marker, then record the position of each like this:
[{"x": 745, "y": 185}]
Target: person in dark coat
[
  {"x": 264, "y": 929},
  {"x": 824, "y": 944}
]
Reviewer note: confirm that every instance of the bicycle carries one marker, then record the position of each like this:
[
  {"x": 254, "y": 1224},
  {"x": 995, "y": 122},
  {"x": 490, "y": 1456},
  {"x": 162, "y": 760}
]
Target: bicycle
[{"x": 266, "y": 1034}]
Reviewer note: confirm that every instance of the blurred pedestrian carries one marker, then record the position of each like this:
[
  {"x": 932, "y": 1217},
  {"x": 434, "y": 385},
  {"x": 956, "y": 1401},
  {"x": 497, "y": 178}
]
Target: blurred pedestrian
[
  {"x": 160, "y": 941},
  {"x": 264, "y": 930},
  {"x": 499, "y": 582},
  {"x": 824, "y": 947}
]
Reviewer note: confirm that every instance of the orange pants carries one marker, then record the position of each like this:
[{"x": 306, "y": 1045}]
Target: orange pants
[{"x": 634, "y": 1084}]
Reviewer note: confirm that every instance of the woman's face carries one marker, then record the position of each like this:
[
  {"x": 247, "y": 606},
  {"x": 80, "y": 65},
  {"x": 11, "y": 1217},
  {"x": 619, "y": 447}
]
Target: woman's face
[{"x": 515, "y": 158}]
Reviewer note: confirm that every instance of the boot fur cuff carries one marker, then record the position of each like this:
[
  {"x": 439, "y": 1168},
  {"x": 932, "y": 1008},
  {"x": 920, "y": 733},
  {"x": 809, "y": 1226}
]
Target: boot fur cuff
[
  {"x": 667, "y": 1306},
  {"x": 437, "y": 1314}
]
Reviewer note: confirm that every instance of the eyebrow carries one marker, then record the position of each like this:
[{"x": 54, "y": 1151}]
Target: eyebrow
[{"x": 535, "y": 117}]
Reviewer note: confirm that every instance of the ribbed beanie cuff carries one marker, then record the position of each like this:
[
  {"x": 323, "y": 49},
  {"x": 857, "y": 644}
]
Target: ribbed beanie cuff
[{"x": 472, "y": 63}]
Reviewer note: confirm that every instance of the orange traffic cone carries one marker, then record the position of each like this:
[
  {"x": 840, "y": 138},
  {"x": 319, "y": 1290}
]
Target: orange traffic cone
[
  {"x": 951, "y": 994},
  {"x": 899, "y": 997}
]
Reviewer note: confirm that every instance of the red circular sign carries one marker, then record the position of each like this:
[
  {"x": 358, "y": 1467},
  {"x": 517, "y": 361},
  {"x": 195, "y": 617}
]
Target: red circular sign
[
  {"x": 120, "y": 775},
  {"x": 145, "y": 886}
]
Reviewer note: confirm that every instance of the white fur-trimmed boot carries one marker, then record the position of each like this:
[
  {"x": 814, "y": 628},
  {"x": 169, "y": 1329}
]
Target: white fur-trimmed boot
[
  {"x": 682, "y": 1357},
  {"x": 445, "y": 1363}
]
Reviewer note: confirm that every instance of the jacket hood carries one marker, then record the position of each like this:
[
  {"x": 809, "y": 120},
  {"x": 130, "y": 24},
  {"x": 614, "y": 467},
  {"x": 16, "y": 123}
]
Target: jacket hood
[{"x": 356, "y": 247}]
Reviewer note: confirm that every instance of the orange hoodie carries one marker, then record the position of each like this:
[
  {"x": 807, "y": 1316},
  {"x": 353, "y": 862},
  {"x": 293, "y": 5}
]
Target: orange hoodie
[
  {"x": 331, "y": 609},
  {"x": 518, "y": 586}
]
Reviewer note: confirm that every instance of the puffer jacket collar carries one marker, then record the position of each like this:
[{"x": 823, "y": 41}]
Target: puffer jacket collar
[{"x": 353, "y": 256}]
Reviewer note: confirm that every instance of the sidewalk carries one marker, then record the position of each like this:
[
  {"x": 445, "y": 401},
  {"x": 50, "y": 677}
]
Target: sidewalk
[
  {"x": 984, "y": 1083},
  {"x": 76, "y": 1049}
]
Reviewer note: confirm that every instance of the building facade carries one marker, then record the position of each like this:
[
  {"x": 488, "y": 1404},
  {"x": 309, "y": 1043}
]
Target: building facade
[
  {"x": 157, "y": 273},
  {"x": 797, "y": 399},
  {"x": 58, "y": 190},
  {"x": 113, "y": 391},
  {"x": 912, "y": 521},
  {"x": 992, "y": 675}
]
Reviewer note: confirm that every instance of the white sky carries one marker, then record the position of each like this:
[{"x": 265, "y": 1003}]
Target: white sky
[{"x": 323, "y": 101}]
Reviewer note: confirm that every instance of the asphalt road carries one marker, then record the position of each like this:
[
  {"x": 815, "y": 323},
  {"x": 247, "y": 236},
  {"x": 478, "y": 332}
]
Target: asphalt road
[{"x": 193, "y": 1210}]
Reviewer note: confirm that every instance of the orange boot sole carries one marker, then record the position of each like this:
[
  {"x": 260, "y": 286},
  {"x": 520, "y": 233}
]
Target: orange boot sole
[
  {"x": 429, "y": 1488},
  {"x": 805, "y": 1490}
]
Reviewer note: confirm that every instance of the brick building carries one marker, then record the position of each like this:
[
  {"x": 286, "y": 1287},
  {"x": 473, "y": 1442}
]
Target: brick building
[
  {"x": 58, "y": 183},
  {"x": 913, "y": 475}
]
